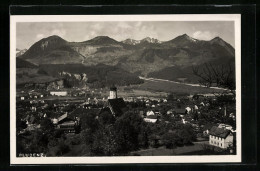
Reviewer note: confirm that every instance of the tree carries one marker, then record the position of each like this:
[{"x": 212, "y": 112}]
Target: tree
[
  {"x": 47, "y": 126},
  {"x": 221, "y": 76},
  {"x": 169, "y": 140},
  {"x": 89, "y": 121},
  {"x": 20, "y": 125},
  {"x": 128, "y": 127},
  {"x": 62, "y": 148},
  {"x": 105, "y": 142},
  {"x": 106, "y": 118}
]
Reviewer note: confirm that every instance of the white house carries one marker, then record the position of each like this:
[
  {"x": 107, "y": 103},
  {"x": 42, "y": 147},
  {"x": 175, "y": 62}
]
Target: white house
[
  {"x": 220, "y": 137},
  {"x": 188, "y": 109},
  {"x": 183, "y": 121},
  {"x": 59, "y": 93},
  {"x": 169, "y": 112},
  {"x": 151, "y": 119},
  {"x": 149, "y": 113}
]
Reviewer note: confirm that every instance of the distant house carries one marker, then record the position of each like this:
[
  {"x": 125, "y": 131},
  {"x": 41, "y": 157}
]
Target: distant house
[
  {"x": 188, "y": 109},
  {"x": 151, "y": 119},
  {"x": 180, "y": 112},
  {"x": 33, "y": 108},
  {"x": 206, "y": 128},
  {"x": 202, "y": 104},
  {"x": 231, "y": 115},
  {"x": 149, "y": 113},
  {"x": 183, "y": 121},
  {"x": 220, "y": 137},
  {"x": 141, "y": 113},
  {"x": 66, "y": 124},
  {"x": 30, "y": 119},
  {"x": 58, "y": 93},
  {"x": 229, "y": 127},
  {"x": 21, "y": 96},
  {"x": 169, "y": 112}
]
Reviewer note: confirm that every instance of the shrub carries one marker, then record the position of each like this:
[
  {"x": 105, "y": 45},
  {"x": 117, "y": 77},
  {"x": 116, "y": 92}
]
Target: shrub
[{"x": 75, "y": 141}]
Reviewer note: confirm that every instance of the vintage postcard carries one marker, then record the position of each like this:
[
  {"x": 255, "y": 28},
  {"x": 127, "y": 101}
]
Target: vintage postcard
[{"x": 92, "y": 89}]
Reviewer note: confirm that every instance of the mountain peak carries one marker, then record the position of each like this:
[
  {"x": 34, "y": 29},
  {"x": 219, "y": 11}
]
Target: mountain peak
[
  {"x": 182, "y": 40},
  {"x": 102, "y": 37},
  {"x": 218, "y": 40},
  {"x": 53, "y": 37},
  {"x": 185, "y": 36},
  {"x": 102, "y": 40}
]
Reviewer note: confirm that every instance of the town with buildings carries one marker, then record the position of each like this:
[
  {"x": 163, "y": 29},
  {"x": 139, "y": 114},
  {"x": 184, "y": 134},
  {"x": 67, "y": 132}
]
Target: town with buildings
[{"x": 66, "y": 122}]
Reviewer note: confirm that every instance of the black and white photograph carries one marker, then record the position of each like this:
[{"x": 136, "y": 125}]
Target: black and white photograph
[{"x": 125, "y": 89}]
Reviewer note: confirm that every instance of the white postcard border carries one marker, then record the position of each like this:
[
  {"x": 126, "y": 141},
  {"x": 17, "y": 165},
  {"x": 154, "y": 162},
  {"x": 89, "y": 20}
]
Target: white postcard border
[{"x": 128, "y": 159}]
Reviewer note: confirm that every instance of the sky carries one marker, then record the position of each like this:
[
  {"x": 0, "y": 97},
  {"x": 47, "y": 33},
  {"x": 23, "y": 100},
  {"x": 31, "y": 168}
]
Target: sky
[{"x": 27, "y": 33}]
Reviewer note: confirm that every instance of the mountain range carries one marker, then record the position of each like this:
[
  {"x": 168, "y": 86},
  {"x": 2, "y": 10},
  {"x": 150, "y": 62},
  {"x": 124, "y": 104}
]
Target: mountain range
[{"x": 171, "y": 59}]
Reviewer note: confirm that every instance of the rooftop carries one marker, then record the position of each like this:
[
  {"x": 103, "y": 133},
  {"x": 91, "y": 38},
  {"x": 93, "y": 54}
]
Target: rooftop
[
  {"x": 219, "y": 132},
  {"x": 117, "y": 105}
]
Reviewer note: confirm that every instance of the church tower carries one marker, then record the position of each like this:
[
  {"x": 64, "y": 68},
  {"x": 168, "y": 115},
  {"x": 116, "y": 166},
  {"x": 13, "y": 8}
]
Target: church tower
[{"x": 113, "y": 93}]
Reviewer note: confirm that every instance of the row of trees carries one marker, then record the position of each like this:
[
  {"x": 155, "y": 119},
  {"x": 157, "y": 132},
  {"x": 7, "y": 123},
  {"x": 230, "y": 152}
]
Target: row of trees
[{"x": 108, "y": 136}]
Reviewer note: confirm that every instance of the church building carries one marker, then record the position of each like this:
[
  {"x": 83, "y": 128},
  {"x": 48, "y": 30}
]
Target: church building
[{"x": 115, "y": 104}]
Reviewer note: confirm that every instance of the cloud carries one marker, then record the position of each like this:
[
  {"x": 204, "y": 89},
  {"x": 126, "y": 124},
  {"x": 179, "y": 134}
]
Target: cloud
[
  {"x": 39, "y": 36},
  {"x": 59, "y": 32},
  {"x": 96, "y": 26},
  {"x": 204, "y": 35},
  {"x": 138, "y": 24},
  {"x": 47, "y": 33}
]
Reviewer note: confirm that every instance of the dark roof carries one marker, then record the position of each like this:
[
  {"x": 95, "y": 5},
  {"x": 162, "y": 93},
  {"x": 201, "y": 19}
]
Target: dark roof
[
  {"x": 208, "y": 126},
  {"x": 180, "y": 111},
  {"x": 219, "y": 132},
  {"x": 105, "y": 109},
  {"x": 113, "y": 88},
  {"x": 117, "y": 105}
]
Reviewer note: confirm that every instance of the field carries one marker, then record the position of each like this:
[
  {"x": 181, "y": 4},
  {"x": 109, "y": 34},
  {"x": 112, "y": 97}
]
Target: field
[
  {"x": 162, "y": 151},
  {"x": 165, "y": 86}
]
